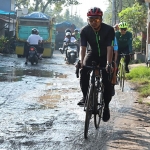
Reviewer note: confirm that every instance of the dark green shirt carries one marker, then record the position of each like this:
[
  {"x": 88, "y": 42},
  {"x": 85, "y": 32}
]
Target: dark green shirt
[{"x": 124, "y": 41}]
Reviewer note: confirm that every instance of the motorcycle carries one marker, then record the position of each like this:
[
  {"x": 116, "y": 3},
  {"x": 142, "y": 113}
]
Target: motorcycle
[
  {"x": 71, "y": 52},
  {"x": 33, "y": 55}
]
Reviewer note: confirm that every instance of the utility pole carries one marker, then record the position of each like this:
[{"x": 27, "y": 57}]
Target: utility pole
[{"x": 113, "y": 12}]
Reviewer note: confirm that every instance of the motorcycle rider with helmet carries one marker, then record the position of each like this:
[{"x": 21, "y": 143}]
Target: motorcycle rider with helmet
[
  {"x": 33, "y": 40},
  {"x": 76, "y": 34},
  {"x": 68, "y": 39}
]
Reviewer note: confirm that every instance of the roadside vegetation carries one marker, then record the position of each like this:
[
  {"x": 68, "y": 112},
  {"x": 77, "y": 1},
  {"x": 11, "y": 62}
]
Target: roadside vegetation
[{"x": 140, "y": 77}]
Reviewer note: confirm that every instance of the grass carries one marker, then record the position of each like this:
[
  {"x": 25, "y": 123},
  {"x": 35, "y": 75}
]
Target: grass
[
  {"x": 140, "y": 101},
  {"x": 141, "y": 77}
]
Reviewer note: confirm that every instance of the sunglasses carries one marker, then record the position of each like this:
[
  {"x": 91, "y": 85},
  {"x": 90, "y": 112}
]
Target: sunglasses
[
  {"x": 91, "y": 20},
  {"x": 123, "y": 29}
]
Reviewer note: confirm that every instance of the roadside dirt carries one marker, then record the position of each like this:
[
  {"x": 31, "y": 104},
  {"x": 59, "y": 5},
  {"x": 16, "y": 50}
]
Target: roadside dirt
[{"x": 132, "y": 129}]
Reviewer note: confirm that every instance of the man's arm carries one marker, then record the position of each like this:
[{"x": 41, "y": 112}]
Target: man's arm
[
  {"x": 109, "y": 54},
  {"x": 110, "y": 44},
  {"x": 82, "y": 47},
  {"x": 82, "y": 53}
]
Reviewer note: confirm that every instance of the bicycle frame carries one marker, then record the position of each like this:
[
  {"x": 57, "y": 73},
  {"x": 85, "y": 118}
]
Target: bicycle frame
[
  {"x": 121, "y": 70},
  {"x": 94, "y": 102}
]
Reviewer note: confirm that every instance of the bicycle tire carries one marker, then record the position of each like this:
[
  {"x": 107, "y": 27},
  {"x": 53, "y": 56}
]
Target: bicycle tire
[
  {"x": 120, "y": 76},
  {"x": 88, "y": 111},
  {"x": 123, "y": 78},
  {"x": 98, "y": 106}
]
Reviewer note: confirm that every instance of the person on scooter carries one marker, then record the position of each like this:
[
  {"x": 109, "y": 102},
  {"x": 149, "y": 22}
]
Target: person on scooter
[
  {"x": 68, "y": 39},
  {"x": 32, "y": 40},
  {"x": 76, "y": 34}
]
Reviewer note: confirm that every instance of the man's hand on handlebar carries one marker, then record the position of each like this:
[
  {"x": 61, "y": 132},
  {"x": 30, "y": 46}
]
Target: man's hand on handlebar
[{"x": 109, "y": 68}]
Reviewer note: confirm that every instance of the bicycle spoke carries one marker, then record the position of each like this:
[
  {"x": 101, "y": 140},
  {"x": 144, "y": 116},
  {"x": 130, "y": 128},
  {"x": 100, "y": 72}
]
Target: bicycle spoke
[
  {"x": 98, "y": 107},
  {"x": 89, "y": 109}
]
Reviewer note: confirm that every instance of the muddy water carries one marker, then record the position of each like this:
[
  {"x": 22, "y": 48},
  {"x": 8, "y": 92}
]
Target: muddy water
[
  {"x": 39, "y": 109},
  {"x": 16, "y": 74}
]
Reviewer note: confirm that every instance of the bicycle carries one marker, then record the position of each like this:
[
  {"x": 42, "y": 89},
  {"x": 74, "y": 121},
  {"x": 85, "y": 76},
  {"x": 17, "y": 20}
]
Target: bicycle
[
  {"x": 94, "y": 101},
  {"x": 121, "y": 71}
]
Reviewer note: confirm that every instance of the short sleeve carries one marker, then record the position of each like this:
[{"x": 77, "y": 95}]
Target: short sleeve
[
  {"x": 83, "y": 39},
  {"x": 110, "y": 37}
]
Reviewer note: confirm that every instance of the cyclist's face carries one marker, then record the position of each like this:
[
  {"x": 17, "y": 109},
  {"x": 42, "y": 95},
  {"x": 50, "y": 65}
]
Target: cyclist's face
[
  {"x": 95, "y": 21},
  {"x": 123, "y": 30}
]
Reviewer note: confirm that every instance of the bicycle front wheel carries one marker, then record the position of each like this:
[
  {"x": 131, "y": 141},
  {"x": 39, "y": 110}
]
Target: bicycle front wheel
[
  {"x": 98, "y": 106},
  {"x": 89, "y": 109},
  {"x": 123, "y": 78},
  {"x": 120, "y": 76}
]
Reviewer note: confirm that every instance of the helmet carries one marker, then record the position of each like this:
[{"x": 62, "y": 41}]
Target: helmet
[
  {"x": 123, "y": 25},
  {"x": 95, "y": 11},
  {"x": 76, "y": 30},
  {"x": 68, "y": 33},
  {"x": 68, "y": 30},
  {"x": 34, "y": 31}
]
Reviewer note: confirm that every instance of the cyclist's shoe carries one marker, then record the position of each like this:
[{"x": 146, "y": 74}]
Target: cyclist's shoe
[
  {"x": 127, "y": 69},
  {"x": 81, "y": 102},
  {"x": 106, "y": 114},
  {"x": 113, "y": 90}
]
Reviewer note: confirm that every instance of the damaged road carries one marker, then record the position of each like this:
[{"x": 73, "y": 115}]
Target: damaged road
[{"x": 39, "y": 111}]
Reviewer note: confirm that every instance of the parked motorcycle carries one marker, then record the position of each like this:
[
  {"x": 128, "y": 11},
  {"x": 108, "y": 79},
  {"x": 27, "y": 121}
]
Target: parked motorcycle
[
  {"x": 71, "y": 51},
  {"x": 33, "y": 55}
]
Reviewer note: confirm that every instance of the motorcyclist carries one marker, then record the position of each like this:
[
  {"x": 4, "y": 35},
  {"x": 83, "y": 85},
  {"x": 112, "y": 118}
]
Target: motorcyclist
[
  {"x": 32, "y": 40},
  {"x": 68, "y": 39},
  {"x": 76, "y": 34}
]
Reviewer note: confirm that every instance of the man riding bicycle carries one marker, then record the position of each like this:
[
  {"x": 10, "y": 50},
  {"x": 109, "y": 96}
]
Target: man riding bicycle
[
  {"x": 124, "y": 40},
  {"x": 100, "y": 37}
]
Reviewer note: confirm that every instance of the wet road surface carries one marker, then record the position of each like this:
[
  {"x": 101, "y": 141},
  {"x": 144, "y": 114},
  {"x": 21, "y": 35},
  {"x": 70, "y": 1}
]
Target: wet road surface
[{"x": 38, "y": 107}]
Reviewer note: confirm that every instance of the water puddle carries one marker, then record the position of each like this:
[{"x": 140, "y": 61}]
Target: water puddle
[{"x": 15, "y": 74}]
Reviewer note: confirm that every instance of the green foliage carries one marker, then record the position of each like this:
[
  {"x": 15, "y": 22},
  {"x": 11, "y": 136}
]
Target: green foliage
[
  {"x": 3, "y": 40},
  {"x": 75, "y": 19},
  {"x": 137, "y": 43},
  {"x": 45, "y": 6},
  {"x": 41, "y": 5},
  {"x": 140, "y": 75},
  {"x": 136, "y": 17},
  {"x": 144, "y": 90}
]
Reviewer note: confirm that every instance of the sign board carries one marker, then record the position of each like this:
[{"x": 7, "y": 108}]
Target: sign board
[{"x": 7, "y": 5}]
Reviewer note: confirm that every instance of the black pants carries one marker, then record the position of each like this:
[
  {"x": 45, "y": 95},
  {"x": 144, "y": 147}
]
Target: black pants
[{"x": 84, "y": 77}]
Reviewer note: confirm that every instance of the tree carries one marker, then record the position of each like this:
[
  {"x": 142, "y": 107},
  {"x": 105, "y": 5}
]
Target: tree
[
  {"x": 41, "y": 5},
  {"x": 136, "y": 17}
]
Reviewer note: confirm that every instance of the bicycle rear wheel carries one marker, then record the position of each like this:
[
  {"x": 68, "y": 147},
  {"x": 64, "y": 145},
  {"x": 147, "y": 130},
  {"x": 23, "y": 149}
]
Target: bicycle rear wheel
[
  {"x": 98, "y": 106},
  {"x": 89, "y": 109}
]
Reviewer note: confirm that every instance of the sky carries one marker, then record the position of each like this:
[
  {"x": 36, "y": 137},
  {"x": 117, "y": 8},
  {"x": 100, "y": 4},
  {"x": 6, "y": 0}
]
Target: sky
[{"x": 86, "y": 4}]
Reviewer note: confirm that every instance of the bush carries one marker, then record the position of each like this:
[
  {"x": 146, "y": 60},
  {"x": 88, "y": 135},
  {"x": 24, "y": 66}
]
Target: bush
[
  {"x": 137, "y": 44},
  {"x": 3, "y": 40}
]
